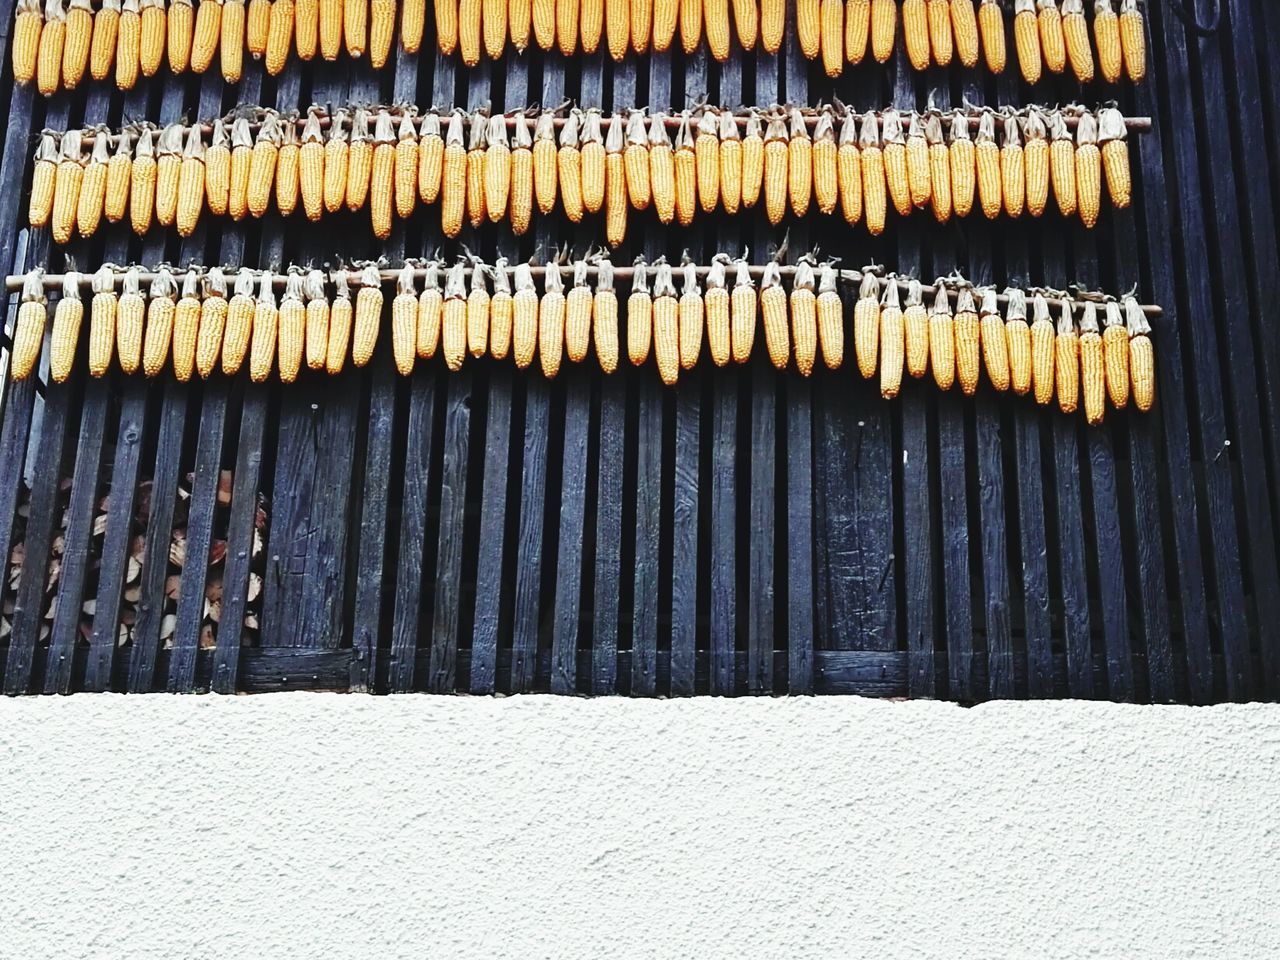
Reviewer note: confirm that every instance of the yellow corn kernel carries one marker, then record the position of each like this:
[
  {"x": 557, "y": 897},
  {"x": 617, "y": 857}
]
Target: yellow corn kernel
[
  {"x": 942, "y": 342},
  {"x": 641, "y": 24},
  {"x": 716, "y": 15},
  {"x": 186, "y": 327},
  {"x": 382, "y": 27},
  {"x": 636, "y": 159},
  {"x": 279, "y": 36},
  {"x": 731, "y": 161},
  {"x": 1062, "y": 164},
  {"x": 154, "y": 27},
  {"x": 591, "y": 24},
  {"x": 743, "y": 307},
  {"x": 355, "y": 27},
  {"x": 404, "y": 322},
  {"x": 804, "y": 317},
  {"x": 213, "y": 322},
  {"x": 102, "y": 47},
  {"x": 257, "y": 27},
  {"x": 102, "y": 320},
  {"x": 666, "y": 325},
  {"x": 551, "y": 321},
  {"x": 577, "y": 315},
  {"x": 430, "y": 311},
  {"x": 430, "y": 158},
  {"x": 772, "y": 22},
  {"x": 497, "y": 169},
  {"x": 604, "y": 314},
  {"x": 544, "y": 23},
  {"x": 830, "y": 317}
]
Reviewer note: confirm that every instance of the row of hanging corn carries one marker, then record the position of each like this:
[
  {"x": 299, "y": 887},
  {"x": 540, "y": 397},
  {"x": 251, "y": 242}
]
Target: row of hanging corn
[
  {"x": 55, "y": 44},
  {"x": 195, "y": 327},
  {"x": 480, "y": 170}
]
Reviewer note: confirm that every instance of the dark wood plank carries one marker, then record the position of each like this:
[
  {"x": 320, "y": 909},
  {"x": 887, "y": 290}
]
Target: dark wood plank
[{"x": 453, "y": 503}]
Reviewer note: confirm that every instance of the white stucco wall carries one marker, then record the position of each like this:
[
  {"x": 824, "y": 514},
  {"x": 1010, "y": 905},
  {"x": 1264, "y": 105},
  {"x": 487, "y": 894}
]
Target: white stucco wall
[{"x": 334, "y": 826}]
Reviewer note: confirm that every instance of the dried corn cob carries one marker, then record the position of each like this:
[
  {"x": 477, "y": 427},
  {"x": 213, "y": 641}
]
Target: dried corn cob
[
  {"x": 773, "y": 311},
  {"x": 1088, "y": 170},
  {"x": 238, "y": 327},
  {"x": 1115, "y": 349},
  {"x": 217, "y": 171},
  {"x": 991, "y": 27},
  {"x": 772, "y": 22},
  {"x": 521, "y": 177},
  {"x": 592, "y": 155},
  {"x": 355, "y": 26},
  {"x": 52, "y": 39},
  {"x": 804, "y": 317},
  {"x": 939, "y": 169},
  {"x": 567, "y": 25},
  {"x": 1026, "y": 38},
  {"x": 382, "y": 176},
  {"x": 501, "y": 306},
  {"x": 446, "y": 16},
  {"x": 129, "y": 45},
  {"x": 430, "y": 311},
  {"x": 1018, "y": 335},
  {"x": 919, "y": 177},
  {"x": 1133, "y": 40},
  {"x": 262, "y": 165},
  {"x": 93, "y": 187},
  {"x": 160, "y": 310},
  {"x": 524, "y": 317},
  {"x": 617, "y": 27},
  {"x": 895, "y": 163},
  {"x": 79, "y": 36},
  {"x": 257, "y": 27},
  {"x": 497, "y": 169},
  {"x": 1142, "y": 361},
  {"x": 830, "y": 310},
  {"x": 569, "y": 168},
  {"x": 545, "y": 162},
  {"x": 102, "y": 320},
  {"x": 306, "y": 28},
  {"x": 28, "y": 330},
  {"x": 153, "y": 30},
  {"x": 577, "y": 315},
  {"x": 746, "y": 21},
  {"x": 692, "y": 317},
  {"x": 368, "y": 316},
  {"x": 716, "y": 15},
  {"x": 591, "y": 25},
  {"x": 666, "y": 324},
  {"x": 27, "y": 27},
  {"x": 717, "y": 310},
  {"x": 213, "y": 321},
  {"x": 191, "y": 180},
  {"x": 884, "y": 25},
  {"x": 130, "y": 312},
  {"x": 240, "y": 165},
  {"x": 641, "y": 24},
  {"x": 915, "y": 30},
  {"x": 382, "y": 27},
  {"x": 857, "y": 29},
  {"x": 729, "y": 153},
  {"x": 1115, "y": 157},
  {"x": 964, "y": 30},
  {"x": 752, "y": 161},
  {"x": 453, "y": 178},
  {"x": 44, "y": 178},
  {"x": 317, "y": 320},
  {"x": 551, "y": 321},
  {"x": 706, "y": 149},
  {"x": 266, "y": 323},
  {"x": 968, "y": 342},
  {"x": 311, "y": 167},
  {"x": 1035, "y": 155},
  {"x": 469, "y": 13},
  {"x": 892, "y": 342},
  {"x": 639, "y": 315},
  {"x": 799, "y": 165},
  {"x": 987, "y": 158},
  {"x": 684, "y": 166},
  {"x": 66, "y": 190},
  {"x": 866, "y": 325},
  {"x": 873, "y": 174},
  {"x": 230, "y": 44},
  {"x": 413, "y": 19},
  {"x": 615, "y": 185},
  {"x": 1067, "y": 361},
  {"x": 1062, "y": 164},
  {"x": 942, "y": 342},
  {"x": 1075, "y": 34},
  {"x": 168, "y": 173},
  {"x": 106, "y": 33},
  {"x": 1052, "y": 44},
  {"x": 292, "y": 322},
  {"x": 544, "y": 23},
  {"x": 604, "y": 311},
  {"x": 119, "y": 175},
  {"x": 1043, "y": 350},
  {"x": 340, "y": 319},
  {"x": 849, "y": 169},
  {"x": 1092, "y": 366},
  {"x": 478, "y": 311},
  {"x": 826, "y": 164},
  {"x": 1106, "y": 34},
  {"x": 832, "y": 41},
  {"x": 181, "y": 26},
  {"x": 142, "y": 184},
  {"x": 775, "y": 169},
  {"x": 1013, "y": 172},
  {"x": 915, "y": 325},
  {"x": 636, "y": 158},
  {"x": 743, "y": 307},
  {"x": 359, "y": 159},
  {"x": 453, "y": 318},
  {"x": 279, "y": 35},
  {"x": 995, "y": 344},
  {"x": 430, "y": 158},
  {"x": 186, "y": 326},
  {"x": 67, "y": 319}
]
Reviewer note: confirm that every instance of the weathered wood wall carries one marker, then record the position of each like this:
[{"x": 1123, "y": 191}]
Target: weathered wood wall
[{"x": 748, "y": 532}]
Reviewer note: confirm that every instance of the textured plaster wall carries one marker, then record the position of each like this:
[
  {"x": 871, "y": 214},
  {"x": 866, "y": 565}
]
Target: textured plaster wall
[{"x": 338, "y": 826}]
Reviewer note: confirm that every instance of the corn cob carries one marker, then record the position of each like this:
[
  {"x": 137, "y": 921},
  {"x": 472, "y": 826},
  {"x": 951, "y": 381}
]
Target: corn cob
[
  {"x": 168, "y": 173},
  {"x": 102, "y": 320},
  {"x": 340, "y": 319},
  {"x": 639, "y": 315},
  {"x": 545, "y": 162},
  {"x": 79, "y": 36},
  {"x": 478, "y": 311},
  {"x": 569, "y": 168},
  {"x": 469, "y": 13},
  {"x": 942, "y": 342},
  {"x": 615, "y": 176},
  {"x": 1088, "y": 170},
  {"x": 544, "y": 23},
  {"x": 130, "y": 311},
  {"x": 279, "y": 35},
  {"x": 382, "y": 176},
  {"x": 181, "y": 26},
  {"x": 186, "y": 326},
  {"x": 772, "y": 23},
  {"x": 359, "y": 160},
  {"x": 1115, "y": 157},
  {"x": 446, "y": 16},
  {"x": 601, "y": 312},
  {"x": 832, "y": 41},
  {"x": 317, "y": 320},
  {"x": 857, "y": 29},
  {"x": 773, "y": 310},
  {"x": 849, "y": 169},
  {"x": 66, "y": 192},
  {"x": 128, "y": 45},
  {"x": 266, "y": 324},
  {"x": 494, "y": 20},
  {"x": 1067, "y": 361},
  {"x": 742, "y": 313},
  {"x": 44, "y": 178},
  {"x": 521, "y": 177},
  {"x": 591, "y": 25},
  {"x": 311, "y": 167},
  {"x": 501, "y": 306},
  {"x": 262, "y": 165},
  {"x": 206, "y": 35},
  {"x": 430, "y": 158},
  {"x": 577, "y": 315},
  {"x": 895, "y": 163},
  {"x": 382, "y": 28},
  {"x": 52, "y": 39},
  {"x": 799, "y": 165},
  {"x": 1052, "y": 43},
  {"x": 826, "y": 174},
  {"x": 715, "y": 13},
  {"x": 524, "y": 317},
  {"x": 830, "y": 309},
  {"x": 636, "y": 160},
  {"x": 329, "y": 25},
  {"x": 430, "y": 311},
  {"x": 28, "y": 331},
  {"x": 27, "y": 27},
  {"x": 453, "y": 179},
  {"x": 191, "y": 180},
  {"x": 964, "y": 31},
  {"x": 919, "y": 176},
  {"x": 1062, "y": 164},
  {"x": 1035, "y": 155},
  {"x": 746, "y": 22},
  {"x": 1133, "y": 40},
  {"x": 160, "y": 311},
  {"x": 1106, "y": 34},
  {"x": 213, "y": 322},
  {"x": 368, "y": 316},
  {"x": 592, "y": 162},
  {"x": 991, "y": 28},
  {"x": 641, "y": 24},
  {"x": 804, "y": 317},
  {"x": 968, "y": 342},
  {"x": 884, "y": 25},
  {"x": 567, "y": 26},
  {"x": 666, "y": 324},
  {"x": 775, "y": 169},
  {"x": 1026, "y": 38},
  {"x": 217, "y": 171},
  {"x": 119, "y": 172},
  {"x": 142, "y": 185},
  {"x": 617, "y": 18},
  {"x": 413, "y": 18},
  {"x": 497, "y": 169},
  {"x": 684, "y": 165},
  {"x": 102, "y": 47},
  {"x": 915, "y": 326},
  {"x": 292, "y": 322},
  {"x": 987, "y": 158},
  {"x": 1142, "y": 370},
  {"x": 231, "y": 43},
  {"x": 873, "y": 174},
  {"x": 238, "y": 325},
  {"x": 706, "y": 148},
  {"x": 939, "y": 169},
  {"x": 1043, "y": 350},
  {"x": 242, "y": 150},
  {"x": 1092, "y": 366},
  {"x": 551, "y": 321},
  {"x": 68, "y": 317},
  {"x": 257, "y": 27},
  {"x": 1013, "y": 172},
  {"x": 915, "y": 30},
  {"x": 152, "y": 42},
  {"x": 306, "y": 28},
  {"x": 892, "y": 342},
  {"x": 1075, "y": 34},
  {"x": 1115, "y": 348},
  {"x": 995, "y": 345},
  {"x": 717, "y": 310},
  {"x": 692, "y": 317},
  {"x": 752, "y": 161},
  {"x": 355, "y": 26},
  {"x": 809, "y": 27},
  {"x": 1018, "y": 335}
]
